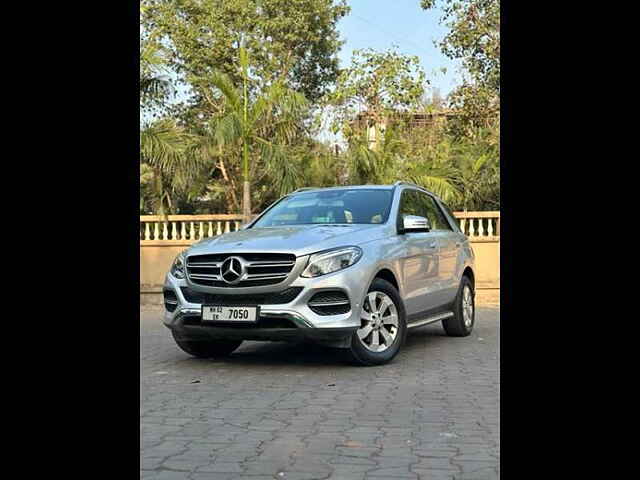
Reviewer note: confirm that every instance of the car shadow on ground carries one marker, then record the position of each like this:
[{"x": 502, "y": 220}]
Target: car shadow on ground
[{"x": 273, "y": 354}]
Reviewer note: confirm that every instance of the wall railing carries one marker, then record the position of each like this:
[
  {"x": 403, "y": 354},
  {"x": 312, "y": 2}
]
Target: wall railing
[
  {"x": 188, "y": 229},
  {"x": 185, "y": 229},
  {"x": 480, "y": 226}
]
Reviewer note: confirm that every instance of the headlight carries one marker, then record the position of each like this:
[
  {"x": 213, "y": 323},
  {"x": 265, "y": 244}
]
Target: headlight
[
  {"x": 331, "y": 261},
  {"x": 177, "y": 269}
]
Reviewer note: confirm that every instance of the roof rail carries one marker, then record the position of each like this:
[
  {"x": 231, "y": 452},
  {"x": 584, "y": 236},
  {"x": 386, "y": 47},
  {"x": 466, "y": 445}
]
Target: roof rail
[
  {"x": 304, "y": 189},
  {"x": 402, "y": 182}
]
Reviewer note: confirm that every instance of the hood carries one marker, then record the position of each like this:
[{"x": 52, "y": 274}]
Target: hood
[{"x": 297, "y": 239}]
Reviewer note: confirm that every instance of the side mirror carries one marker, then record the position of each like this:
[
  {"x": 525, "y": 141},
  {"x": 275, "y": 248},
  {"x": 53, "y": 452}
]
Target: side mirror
[{"x": 414, "y": 223}]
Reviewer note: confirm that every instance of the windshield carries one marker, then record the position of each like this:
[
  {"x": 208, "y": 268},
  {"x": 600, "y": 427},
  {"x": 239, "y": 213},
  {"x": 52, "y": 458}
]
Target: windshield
[{"x": 330, "y": 207}]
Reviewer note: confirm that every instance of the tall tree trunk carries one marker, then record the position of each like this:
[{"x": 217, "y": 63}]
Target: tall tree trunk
[
  {"x": 246, "y": 194},
  {"x": 246, "y": 202},
  {"x": 230, "y": 193}
]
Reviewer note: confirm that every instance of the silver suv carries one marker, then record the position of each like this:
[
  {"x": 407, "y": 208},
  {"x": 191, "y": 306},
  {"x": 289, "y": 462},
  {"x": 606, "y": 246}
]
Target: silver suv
[{"x": 351, "y": 267}]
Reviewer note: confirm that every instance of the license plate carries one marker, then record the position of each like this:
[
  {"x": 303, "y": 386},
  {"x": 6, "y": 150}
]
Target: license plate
[{"x": 220, "y": 313}]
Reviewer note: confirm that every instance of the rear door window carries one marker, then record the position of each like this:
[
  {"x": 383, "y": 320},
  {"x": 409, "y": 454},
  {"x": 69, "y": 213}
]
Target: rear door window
[{"x": 436, "y": 217}]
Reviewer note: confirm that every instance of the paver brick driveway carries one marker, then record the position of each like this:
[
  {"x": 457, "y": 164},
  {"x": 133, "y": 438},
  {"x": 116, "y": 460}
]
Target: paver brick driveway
[{"x": 283, "y": 411}]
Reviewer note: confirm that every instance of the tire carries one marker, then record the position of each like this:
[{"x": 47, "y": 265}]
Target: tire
[
  {"x": 456, "y": 326},
  {"x": 205, "y": 348},
  {"x": 382, "y": 318}
]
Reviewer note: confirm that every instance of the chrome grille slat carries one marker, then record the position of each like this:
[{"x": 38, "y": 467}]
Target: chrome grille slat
[
  {"x": 328, "y": 304},
  {"x": 204, "y": 276},
  {"x": 271, "y": 264},
  {"x": 265, "y": 276}
]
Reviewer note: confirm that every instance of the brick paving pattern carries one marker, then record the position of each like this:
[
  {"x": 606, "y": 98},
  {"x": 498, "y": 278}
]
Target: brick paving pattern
[{"x": 299, "y": 412}]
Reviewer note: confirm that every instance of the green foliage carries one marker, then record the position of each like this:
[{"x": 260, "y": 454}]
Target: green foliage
[
  {"x": 146, "y": 189},
  {"x": 395, "y": 159},
  {"x": 478, "y": 160},
  {"x": 295, "y": 41},
  {"x": 170, "y": 164},
  {"x": 155, "y": 86},
  {"x": 377, "y": 83},
  {"x": 263, "y": 127},
  {"x": 463, "y": 171},
  {"x": 384, "y": 85},
  {"x": 474, "y": 38}
]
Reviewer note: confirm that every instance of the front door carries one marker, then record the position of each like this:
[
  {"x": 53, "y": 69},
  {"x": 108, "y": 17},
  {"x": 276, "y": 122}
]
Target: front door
[{"x": 419, "y": 261}]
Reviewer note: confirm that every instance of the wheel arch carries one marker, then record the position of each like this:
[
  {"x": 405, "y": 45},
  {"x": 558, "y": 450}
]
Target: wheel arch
[
  {"x": 387, "y": 274},
  {"x": 468, "y": 272}
]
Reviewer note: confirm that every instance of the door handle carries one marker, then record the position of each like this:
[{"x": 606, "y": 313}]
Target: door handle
[{"x": 432, "y": 245}]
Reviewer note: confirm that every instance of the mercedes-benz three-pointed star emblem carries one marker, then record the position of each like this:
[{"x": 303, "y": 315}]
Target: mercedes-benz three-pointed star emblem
[{"x": 232, "y": 270}]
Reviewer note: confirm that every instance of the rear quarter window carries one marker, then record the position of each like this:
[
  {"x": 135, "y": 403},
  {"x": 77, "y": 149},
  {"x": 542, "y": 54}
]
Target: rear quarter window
[{"x": 451, "y": 217}]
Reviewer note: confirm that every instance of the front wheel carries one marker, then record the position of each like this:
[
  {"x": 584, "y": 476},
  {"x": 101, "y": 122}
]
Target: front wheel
[
  {"x": 383, "y": 326},
  {"x": 461, "y": 324},
  {"x": 206, "y": 348}
]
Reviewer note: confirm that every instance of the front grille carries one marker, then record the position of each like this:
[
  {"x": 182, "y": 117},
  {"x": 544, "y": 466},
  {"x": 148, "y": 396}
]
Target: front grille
[
  {"x": 259, "y": 269},
  {"x": 330, "y": 302},
  {"x": 271, "y": 298},
  {"x": 170, "y": 300}
]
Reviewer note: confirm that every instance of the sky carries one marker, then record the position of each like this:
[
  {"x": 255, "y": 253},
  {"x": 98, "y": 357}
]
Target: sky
[{"x": 380, "y": 24}]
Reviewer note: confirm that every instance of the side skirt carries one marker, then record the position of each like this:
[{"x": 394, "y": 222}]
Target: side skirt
[{"x": 431, "y": 319}]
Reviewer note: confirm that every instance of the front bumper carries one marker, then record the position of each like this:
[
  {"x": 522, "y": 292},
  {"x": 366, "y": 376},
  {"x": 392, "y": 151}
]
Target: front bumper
[
  {"x": 339, "y": 337},
  {"x": 302, "y": 322}
]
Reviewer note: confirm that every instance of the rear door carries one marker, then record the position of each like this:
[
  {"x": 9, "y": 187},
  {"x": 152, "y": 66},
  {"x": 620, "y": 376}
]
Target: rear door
[
  {"x": 419, "y": 260},
  {"x": 449, "y": 249}
]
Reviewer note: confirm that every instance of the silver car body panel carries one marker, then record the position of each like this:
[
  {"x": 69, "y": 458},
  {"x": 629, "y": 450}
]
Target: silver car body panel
[{"x": 427, "y": 266}]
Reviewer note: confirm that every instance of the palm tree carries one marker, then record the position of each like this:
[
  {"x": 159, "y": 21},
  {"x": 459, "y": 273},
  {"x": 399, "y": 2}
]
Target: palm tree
[
  {"x": 168, "y": 153},
  {"x": 154, "y": 84},
  {"x": 262, "y": 128},
  {"x": 393, "y": 160},
  {"x": 374, "y": 164},
  {"x": 478, "y": 161},
  {"x": 172, "y": 154}
]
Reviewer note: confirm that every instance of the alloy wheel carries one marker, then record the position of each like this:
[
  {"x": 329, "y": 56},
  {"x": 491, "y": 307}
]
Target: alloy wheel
[
  {"x": 379, "y": 322},
  {"x": 467, "y": 306}
]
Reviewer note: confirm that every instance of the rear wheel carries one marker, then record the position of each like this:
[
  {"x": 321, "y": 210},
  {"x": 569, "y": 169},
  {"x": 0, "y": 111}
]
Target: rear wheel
[
  {"x": 461, "y": 324},
  {"x": 383, "y": 326},
  {"x": 206, "y": 348}
]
